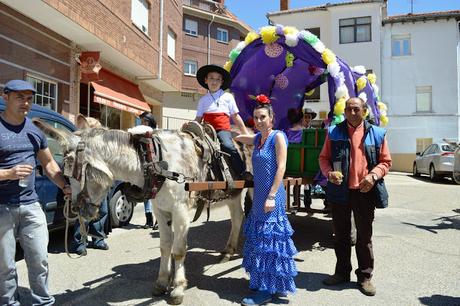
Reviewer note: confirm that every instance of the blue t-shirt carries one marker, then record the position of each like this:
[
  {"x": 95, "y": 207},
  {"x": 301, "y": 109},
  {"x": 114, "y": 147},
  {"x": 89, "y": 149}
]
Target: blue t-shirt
[{"x": 19, "y": 144}]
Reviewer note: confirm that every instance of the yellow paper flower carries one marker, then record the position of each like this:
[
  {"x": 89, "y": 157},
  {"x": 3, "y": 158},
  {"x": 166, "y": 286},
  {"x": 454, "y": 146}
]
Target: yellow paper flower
[
  {"x": 311, "y": 92},
  {"x": 268, "y": 34},
  {"x": 382, "y": 106},
  {"x": 250, "y": 37},
  {"x": 372, "y": 78},
  {"x": 361, "y": 83},
  {"x": 383, "y": 120},
  {"x": 328, "y": 56},
  {"x": 290, "y": 30},
  {"x": 339, "y": 107},
  {"x": 228, "y": 65}
]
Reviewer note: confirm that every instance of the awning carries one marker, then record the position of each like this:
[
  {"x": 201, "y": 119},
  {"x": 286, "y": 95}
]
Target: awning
[{"x": 119, "y": 93}]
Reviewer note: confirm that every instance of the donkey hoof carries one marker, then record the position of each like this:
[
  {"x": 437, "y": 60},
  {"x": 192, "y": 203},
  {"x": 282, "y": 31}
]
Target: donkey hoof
[
  {"x": 176, "y": 300},
  {"x": 225, "y": 257},
  {"x": 159, "y": 290}
]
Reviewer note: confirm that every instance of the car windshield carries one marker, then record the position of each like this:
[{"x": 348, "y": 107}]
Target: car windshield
[{"x": 447, "y": 148}]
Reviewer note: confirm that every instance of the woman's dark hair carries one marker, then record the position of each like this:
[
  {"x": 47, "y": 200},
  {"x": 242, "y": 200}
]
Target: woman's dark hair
[
  {"x": 294, "y": 115},
  {"x": 266, "y": 106},
  {"x": 149, "y": 117}
]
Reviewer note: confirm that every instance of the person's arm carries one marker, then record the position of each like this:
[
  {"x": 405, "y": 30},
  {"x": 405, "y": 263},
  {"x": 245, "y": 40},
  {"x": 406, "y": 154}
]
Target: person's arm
[
  {"x": 325, "y": 163},
  {"x": 16, "y": 173},
  {"x": 379, "y": 171},
  {"x": 246, "y": 139},
  {"x": 52, "y": 170},
  {"x": 239, "y": 123},
  {"x": 281, "y": 155}
]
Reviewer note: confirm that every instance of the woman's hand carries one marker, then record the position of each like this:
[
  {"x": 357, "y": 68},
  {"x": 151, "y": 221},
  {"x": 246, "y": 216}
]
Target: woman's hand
[{"x": 269, "y": 205}]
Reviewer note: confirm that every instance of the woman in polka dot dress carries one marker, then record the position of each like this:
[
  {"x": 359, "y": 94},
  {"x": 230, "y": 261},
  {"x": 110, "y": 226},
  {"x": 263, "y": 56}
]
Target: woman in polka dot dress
[{"x": 268, "y": 250}]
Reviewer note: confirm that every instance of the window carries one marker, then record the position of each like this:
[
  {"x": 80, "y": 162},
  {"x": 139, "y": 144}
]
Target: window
[
  {"x": 140, "y": 14},
  {"x": 171, "y": 44},
  {"x": 190, "y": 68},
  {"x": 191, "y": 27},
  {"x": 400, "y": 46},
  {"x": 423, "y": 99},
  {"x": 422, "y": 143},
  {"x": 354, "y": 30},
  {"x": 46, "y": 95},
  {"x": 222, "y": 35}
]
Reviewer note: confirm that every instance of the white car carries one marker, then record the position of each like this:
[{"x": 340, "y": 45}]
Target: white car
[{"x": 437, "y": 160}]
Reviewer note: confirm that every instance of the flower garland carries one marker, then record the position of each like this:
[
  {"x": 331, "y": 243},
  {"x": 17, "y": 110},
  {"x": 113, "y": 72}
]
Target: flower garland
[{"x": 270, "y": 34}]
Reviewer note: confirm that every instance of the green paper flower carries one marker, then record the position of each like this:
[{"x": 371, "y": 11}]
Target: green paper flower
[
  {"x": 311, "y": 38},
  {"x": 233, "y": 55},
  {"x": 289, "y": 59}
]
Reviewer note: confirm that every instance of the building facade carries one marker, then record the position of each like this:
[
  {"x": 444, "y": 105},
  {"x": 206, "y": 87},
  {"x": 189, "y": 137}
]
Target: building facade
[
  {"x": 421, "y": 81},
  {"x": 209, "y": 33},
  {"x": 137, "y": 43}
]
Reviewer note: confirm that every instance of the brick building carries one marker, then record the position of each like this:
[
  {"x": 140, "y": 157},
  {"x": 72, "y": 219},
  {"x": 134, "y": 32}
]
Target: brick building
[
  {"x": 209, "y": 33},
  {"x": 139, "y": 42}
]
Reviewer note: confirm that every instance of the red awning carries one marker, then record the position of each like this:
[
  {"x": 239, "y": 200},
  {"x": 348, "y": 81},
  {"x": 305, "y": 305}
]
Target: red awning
[{"x": 119, "y": 93}]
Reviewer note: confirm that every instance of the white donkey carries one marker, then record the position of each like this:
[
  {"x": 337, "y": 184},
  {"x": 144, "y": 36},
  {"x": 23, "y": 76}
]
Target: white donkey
[{"x": 110, "y": 155}]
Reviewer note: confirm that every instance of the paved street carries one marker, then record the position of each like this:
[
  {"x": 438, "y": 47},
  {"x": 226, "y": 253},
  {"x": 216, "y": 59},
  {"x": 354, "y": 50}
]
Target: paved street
[{"x": 416, "y": 245}]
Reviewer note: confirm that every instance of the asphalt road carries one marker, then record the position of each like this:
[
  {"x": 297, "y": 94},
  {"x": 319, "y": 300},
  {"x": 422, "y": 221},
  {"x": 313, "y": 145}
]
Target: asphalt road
[{"x": 416, "y": 246}]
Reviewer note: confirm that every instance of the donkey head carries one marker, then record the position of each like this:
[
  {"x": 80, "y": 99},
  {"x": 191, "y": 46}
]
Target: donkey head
[{"x": 89, "y": 176}]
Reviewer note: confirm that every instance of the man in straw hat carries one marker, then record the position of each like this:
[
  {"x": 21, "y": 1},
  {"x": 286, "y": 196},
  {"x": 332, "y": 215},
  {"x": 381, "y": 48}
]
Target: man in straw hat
[
  {"x": 217, "y": 107},
  {"x": 308, "y": 116}
]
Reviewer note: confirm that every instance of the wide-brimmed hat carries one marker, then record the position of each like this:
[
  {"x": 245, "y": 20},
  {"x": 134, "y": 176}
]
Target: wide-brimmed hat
[
  {"x": 311, "y": 112},
  {"x": 203, "y": 73}
]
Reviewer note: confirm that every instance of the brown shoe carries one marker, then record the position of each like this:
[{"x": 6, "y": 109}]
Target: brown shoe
[
  {"x": 367, "y": 288},
  {"x": 335, "y": 279}
]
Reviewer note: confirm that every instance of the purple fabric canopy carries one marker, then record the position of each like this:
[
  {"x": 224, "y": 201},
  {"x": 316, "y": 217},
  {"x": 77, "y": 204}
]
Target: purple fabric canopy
[{"x": 262, "y": 69}]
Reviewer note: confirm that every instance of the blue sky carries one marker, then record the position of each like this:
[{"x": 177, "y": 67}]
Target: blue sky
[{"x": 253, "y": 12}]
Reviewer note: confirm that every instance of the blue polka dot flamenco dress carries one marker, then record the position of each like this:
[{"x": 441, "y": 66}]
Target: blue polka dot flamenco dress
[{"x": 268, "y": 250}]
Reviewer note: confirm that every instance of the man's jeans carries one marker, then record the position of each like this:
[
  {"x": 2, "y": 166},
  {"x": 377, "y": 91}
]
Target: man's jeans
[
  {"x": 96, "y": 228},
  {"x": 27, "y": 223},
  {"x": 226, "y": 142}
]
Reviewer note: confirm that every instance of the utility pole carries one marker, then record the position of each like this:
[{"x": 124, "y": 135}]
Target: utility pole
[{"x": 411, "y": 6}]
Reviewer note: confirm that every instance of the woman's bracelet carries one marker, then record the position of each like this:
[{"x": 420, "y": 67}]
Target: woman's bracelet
[{"x": 270, "y": 197}]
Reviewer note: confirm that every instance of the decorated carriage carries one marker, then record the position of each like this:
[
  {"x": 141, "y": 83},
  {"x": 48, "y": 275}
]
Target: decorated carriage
[{"x": 287, "y": 65}]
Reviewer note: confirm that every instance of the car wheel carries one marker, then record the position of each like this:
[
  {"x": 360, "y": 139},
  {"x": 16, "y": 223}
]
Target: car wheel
[
  {"x": 456, "y": 177},
  {"x": 415, "y": 171},
  {"x": 121, "y": 210},
  {"x": 433, "y": 175}
]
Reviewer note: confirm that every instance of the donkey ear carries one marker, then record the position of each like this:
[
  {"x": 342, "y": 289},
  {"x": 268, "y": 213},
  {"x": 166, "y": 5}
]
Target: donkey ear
[
  {"x": 81, "y": 122},
  {"x": 63, "y": 137}
]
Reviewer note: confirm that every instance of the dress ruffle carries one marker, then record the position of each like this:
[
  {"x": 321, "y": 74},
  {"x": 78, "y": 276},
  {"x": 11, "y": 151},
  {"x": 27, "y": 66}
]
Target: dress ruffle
[{"x": 268, "y": 255}]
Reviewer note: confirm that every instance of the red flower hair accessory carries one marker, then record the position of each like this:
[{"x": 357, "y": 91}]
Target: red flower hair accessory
[{"x": 261, "y": 99}]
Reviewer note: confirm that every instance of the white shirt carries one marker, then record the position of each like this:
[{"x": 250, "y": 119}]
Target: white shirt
[{"x": 218, "y": 102}]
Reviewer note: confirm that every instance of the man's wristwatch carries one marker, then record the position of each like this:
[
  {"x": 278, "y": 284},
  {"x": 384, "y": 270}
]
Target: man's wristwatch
[{"x": 270, "y": 197}]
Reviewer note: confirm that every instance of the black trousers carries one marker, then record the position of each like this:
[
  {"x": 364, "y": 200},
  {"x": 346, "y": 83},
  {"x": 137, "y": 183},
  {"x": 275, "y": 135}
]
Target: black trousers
[{"x": 363, "y": 212}]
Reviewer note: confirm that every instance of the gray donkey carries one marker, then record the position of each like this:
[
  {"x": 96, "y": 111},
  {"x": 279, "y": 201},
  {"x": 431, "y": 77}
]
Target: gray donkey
[{"x": 109, "y": 155}]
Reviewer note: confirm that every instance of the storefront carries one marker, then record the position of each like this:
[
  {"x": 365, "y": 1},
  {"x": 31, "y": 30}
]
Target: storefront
[{"x": 115, "y": 101}]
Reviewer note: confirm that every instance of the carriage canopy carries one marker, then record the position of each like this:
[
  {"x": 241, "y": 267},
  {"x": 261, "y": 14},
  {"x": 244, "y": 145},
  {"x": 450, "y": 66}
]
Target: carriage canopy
[{"x": 286, "y": 64}]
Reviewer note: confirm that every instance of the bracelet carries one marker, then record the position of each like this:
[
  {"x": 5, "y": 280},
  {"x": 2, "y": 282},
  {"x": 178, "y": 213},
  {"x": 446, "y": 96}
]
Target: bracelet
[{"x": 270, "y": 197}]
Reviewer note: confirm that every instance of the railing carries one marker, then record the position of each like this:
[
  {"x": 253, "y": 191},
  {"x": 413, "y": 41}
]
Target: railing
[{"x": 174, "y": 123}]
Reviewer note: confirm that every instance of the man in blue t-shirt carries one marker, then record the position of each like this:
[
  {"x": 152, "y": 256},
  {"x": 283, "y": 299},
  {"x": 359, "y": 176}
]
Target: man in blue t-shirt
[{"x": 21, "y": 215}]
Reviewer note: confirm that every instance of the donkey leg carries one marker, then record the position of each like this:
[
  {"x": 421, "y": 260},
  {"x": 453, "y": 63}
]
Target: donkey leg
[
  {"x": 236, "y": 215},
  {"x": 160, "y": 287},
  {"x": 181, "y": 224}
]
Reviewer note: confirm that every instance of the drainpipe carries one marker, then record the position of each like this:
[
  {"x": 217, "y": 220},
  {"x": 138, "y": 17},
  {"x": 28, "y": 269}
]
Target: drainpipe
[
  {"x": 160, "y": 56},
  {"x": 209, "y": 39}
]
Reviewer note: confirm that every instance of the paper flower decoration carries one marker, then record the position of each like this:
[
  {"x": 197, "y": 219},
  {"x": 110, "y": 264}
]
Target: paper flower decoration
[
  {"x": 250, "y": 37},
  {"x": 372, "y": 78},
  {"x": 262, "y": 99},
  {"x": 339, "y": 107},
  {"x": 311, "y": 92},
  {"x": 383, "y": 120},
  {"x": 289, "y": 59},
  {"x": 328, "y": 56},
  {"x": 361, "y": 83},
  {"x": 234, "y": 54},
  {"x": 228, "y": 65},
  {"x": 268, "y": 34}
]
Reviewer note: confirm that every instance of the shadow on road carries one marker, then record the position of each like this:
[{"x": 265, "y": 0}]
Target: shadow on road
[
  {"x": 440, "y": 300},
  {"x": 449, "y": 222}
]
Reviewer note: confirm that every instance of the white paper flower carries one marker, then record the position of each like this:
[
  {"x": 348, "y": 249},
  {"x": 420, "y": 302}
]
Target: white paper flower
[
  {"x": 342, "y": 91},
  {"x": 291, "y": 40},
  {"x": 319, "y": 47},
  {"x": 240, "y": 46},
  {"x": 359, "y": 69},
  {"x": 334, "y": 69},
  {"x": 363, "y": 96}
]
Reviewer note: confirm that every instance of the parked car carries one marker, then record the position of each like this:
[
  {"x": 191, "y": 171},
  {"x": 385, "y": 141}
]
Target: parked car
[
  {"x": 50, "y": 196},
  {"x": 437, "y": 160}
]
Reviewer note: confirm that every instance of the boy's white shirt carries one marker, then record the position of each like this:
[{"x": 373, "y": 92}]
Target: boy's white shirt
[{"x": 224, "y": 103}]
